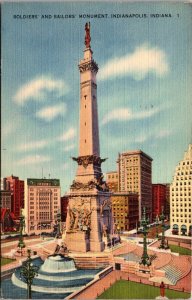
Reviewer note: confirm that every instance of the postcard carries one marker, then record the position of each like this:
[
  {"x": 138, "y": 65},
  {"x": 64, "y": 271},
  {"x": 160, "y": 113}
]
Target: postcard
[{"x": 92, "y": 90}]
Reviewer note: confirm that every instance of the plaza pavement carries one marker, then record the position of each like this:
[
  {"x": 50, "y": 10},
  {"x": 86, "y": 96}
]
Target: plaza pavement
[{"x": 46, "y": 247}]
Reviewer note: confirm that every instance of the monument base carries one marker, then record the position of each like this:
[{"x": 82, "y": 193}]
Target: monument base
[
  {"x": 77, "y": 241},
  {"x": 97, "y": 246}
]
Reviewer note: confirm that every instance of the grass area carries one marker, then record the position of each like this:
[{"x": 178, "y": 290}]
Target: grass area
[
  {"x": 180, "y": 250},
  {"x": 5, "y": 261},
  {"x": 123, "y": 289}
]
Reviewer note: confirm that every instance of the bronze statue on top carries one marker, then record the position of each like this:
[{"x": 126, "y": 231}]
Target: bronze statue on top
[{"x": 87, "y": 35}]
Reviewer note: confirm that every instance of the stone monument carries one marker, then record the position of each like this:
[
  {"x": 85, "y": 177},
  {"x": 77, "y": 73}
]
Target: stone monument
[{"x": 89, "y": 215}]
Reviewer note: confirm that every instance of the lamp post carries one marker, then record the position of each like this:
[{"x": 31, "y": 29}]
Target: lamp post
[
  {"x": 21, "y": 243},
  {"x": 58, "y": 223},
  {"x": 28, "y": 272},
  {"x": 157, "y": 223},
  {"x": 144, "y": 223},
  {"x": 162, "y": 218}
]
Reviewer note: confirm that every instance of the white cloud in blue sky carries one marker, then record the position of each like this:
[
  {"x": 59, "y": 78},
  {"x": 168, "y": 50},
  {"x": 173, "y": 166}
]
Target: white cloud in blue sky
[
  {"x": 145, "y": 59},
  {"x": 67, "y": 135},
  {"x": 38, "y": 88},
  {"x": 33, "y": 159},
  {"x": 153, "y": 135},
  {"x": 123, "y": 114},
  {"x": 32, "y": 145},
  {"x": 143, "y": 86},
  {"x": 69, "y": 147},
  {"x": 49, "y": 113}
]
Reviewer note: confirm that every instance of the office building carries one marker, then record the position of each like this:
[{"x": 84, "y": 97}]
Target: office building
[
  {"x": 42, "y": 203},
  {"x": 112, "y": 180},
  {"x": 135, "y": 176},
  {"x": 125, "y": 210},
  {"x": 181, "y": 196}
]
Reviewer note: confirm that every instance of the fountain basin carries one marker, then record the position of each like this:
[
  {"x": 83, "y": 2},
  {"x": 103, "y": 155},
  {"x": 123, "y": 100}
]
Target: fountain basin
[{"x": 56, "y": 283}]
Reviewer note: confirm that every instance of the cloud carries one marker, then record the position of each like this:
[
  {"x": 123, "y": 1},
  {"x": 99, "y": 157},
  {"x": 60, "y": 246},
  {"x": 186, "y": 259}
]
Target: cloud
[
  {"x": 164, "y": 133},
  {"x": 69, "y": 148},
  {"x": 32, "y": 145},
  {"x": 145, "y": 59},
  {"x": 120, "y": 114},
  {"x": 39, "y": 88},
  {"x": 156, "y": 134},
  {"x": 68, "y": 135},
  {"x": 33, "y": 159},
  {"x": 49, "y": 113},
  {"x": 123, "y": 114}
]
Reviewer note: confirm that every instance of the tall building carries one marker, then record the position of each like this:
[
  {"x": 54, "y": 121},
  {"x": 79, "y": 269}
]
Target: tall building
[
  {"x": 158, "y": 199},
  {"x": 181, "y": 196},
  {"x": 167, "y": 201},
  {"x": 112, "y": 180},
  {"x": 42, "y": 203},
  {"x": 135, "y": 175},
  {"x": 89, "y": 211},
  {"x": 16, "y": 186},
  {"x": 125, "y": 209},
  {"x": 64, "y": 205},
  {"x": 5, "y": 199}
]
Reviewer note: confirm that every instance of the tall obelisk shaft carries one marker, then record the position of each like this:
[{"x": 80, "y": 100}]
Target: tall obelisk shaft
[
  {"x": 89, "y": 162},
  {"x": 89, "y": 132},
  {"x": 89, "y": 219}
]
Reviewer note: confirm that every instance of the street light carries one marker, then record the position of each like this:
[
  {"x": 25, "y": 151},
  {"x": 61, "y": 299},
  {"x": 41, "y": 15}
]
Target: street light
[
  {"x": 163, "y": 244},
  {"x": 157, "y": 223},
  {"x": 144, "y": 223},
  {"x": 58, "y": 223},
  {"x": 28, "y": 272},
  {"x": 21, "y": 243}
]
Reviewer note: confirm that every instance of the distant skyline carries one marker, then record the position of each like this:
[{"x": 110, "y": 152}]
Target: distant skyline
[{"x": 144, "y": 85}]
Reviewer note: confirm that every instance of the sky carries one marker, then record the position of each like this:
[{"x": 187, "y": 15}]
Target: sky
[{"x": 143, "y": 85}]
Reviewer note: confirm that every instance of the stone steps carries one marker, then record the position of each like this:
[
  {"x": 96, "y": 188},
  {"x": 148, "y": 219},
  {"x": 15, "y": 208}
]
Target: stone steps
[{"x": 93, "y": 263}]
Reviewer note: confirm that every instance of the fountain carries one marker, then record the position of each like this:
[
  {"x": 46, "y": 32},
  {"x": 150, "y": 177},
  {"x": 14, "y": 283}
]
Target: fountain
[
  {"x": 57, "y": 278},
  {"x": 58, "y": 264}
]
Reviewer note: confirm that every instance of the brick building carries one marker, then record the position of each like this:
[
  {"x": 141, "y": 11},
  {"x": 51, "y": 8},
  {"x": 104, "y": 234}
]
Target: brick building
[
  {"x": 16, "y": 186},
  {"x": 5, "y": 197},
  {"x": 158, "y": 199},
  {"x": 125, "y": 209},
  {"x": 64, "y": 204}
]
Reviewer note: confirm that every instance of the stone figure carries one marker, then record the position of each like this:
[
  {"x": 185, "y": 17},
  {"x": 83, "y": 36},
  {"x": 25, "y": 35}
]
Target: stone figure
[
  {"x": 162, "y": 289},
  {"x": 79, "y": 218},
  {"x": 74, "y": 218},
  {"x": 86, "y": 217},
  {"x": 87, "y": 35},
  {"x": 105, "y": 202},
  {"x": 105, "y": 230}
]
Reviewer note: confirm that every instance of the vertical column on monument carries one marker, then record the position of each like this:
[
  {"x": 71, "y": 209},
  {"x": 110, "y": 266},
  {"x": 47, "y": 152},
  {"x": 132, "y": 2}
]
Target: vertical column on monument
[{"x": 89, "y": 200}]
